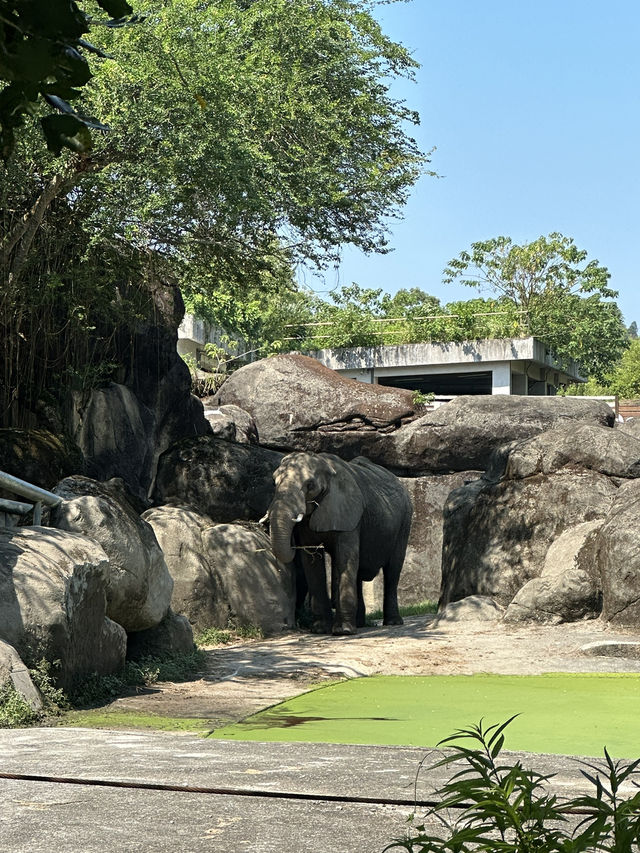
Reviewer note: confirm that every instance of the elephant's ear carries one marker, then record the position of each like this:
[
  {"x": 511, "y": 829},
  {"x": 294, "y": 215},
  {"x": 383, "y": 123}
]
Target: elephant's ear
[{"x": 341, "y": 506}]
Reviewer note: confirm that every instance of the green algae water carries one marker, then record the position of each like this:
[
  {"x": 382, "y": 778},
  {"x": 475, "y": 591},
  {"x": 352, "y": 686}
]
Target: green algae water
[{"x": 571, "y": 714}]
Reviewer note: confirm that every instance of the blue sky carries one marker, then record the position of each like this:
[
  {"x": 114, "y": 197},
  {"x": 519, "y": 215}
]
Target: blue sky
[{"x": 534, "y": 108}]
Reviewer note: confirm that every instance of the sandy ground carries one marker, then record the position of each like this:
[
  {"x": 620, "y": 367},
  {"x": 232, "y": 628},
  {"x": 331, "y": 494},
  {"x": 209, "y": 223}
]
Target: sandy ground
[{"x": 243, "y": 678}]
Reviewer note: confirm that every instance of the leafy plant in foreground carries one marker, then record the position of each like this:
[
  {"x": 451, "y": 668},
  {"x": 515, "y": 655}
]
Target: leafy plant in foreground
[{"x": 498, "y": 807}]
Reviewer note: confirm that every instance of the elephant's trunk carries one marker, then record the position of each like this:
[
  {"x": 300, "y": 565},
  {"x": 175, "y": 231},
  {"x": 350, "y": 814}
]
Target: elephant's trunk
[{"x": 282, "y": 519}]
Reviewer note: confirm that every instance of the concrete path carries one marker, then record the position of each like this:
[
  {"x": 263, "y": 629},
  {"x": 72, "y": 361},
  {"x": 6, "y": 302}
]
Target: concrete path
[{"x": 80, "y": 791}]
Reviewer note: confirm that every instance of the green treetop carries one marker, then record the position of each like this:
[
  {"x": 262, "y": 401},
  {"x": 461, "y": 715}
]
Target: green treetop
[{"x": 563, "y": 298}]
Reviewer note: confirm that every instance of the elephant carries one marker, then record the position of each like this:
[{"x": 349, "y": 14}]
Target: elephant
[{"x": 360, "y": 514}]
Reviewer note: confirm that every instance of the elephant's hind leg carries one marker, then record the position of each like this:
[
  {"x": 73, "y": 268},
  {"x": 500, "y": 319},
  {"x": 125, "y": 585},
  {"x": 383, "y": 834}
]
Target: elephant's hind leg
[
  {"x": 360, "y": 612},
  {"x": 391, "y": 573}
]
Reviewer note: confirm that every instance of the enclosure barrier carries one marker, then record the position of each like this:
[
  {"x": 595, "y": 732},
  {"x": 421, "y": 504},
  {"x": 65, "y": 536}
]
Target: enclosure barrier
[{"x": 25, "y": 490}]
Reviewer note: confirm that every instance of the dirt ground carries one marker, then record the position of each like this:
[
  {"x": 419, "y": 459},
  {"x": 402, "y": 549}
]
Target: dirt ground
[{"x": 243, "y": 678}]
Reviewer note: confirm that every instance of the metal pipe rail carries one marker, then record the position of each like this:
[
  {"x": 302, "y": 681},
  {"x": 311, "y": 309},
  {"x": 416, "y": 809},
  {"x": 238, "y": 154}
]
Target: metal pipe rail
[{"x": 28, "y": 490}]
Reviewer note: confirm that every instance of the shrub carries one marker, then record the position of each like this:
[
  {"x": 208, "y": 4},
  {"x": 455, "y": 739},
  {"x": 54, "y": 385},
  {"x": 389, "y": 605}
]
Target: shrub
[{"x": 503, "y": 808}]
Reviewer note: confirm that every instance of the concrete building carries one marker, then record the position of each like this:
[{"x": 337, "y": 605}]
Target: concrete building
[
  {"x": 505, "y": 366},
  {"x": 194, "y": 334}
]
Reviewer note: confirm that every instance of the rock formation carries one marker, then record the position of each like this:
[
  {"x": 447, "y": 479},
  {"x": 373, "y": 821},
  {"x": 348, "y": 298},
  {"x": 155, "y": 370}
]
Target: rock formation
[
  {"x": 53, "y": 603},
  {"x": 224, "y": 574},
  {"x": 137, "y": 582}
]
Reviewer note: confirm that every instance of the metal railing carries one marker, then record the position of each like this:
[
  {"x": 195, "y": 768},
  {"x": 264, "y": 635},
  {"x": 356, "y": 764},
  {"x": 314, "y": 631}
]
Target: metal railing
[{"x": 25, "y": 490}]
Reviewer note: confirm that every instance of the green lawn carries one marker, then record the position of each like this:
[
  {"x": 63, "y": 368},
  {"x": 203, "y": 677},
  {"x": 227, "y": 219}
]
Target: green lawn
[{"x": 560, "y": 713}]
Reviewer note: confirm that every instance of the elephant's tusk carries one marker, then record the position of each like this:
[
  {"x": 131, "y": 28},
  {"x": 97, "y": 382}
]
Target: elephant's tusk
[
  {"x": 299, "y": 518},
  {"x": 264, "y": 519}
]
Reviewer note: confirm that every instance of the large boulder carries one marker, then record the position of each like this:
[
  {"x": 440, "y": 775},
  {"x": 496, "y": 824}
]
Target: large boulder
[
  {"x": 230, "y": 422},
  {"x": 174, "y": 635},
  {"x": 569, "y": 587},
  {"x": 578, "y": 446},
  {"x": 221, "y": 479},
  {"x": 53, "y": 603},
  {"x": 421, "y": 575},
  {"x": 38, "y": 456},
  {"x": 299, "y": 404},
  {"x": 463, "y": 434},
  {"x": 122, "y": 428},
  {"x": 618, "y": 558},
  {"x": 224, "y": 573},
  {"x": 497, "y": 534},
  {"x": 137, "y": 582}
]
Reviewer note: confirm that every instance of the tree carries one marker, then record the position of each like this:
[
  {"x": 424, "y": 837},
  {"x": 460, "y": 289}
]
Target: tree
[
  {"x": 42, "y": 59},
  {"x": 560, "y": 295},
  {"x": 244, "y": 137},
  {"x": 258, "y": 132},
  {"x": 632, "y": 331},
  {"x": 625, "y": 379}
]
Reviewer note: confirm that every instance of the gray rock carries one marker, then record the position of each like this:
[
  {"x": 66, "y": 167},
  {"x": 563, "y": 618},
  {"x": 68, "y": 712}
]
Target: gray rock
[
  {"x": 137, "y": 581},
  {"x": 585, "y": 446},
  {"x": 173, "y": 635},
  {"x": 473, "y": 608},
  {"x": 230, "y": 422},
  {"x": 13, "y": 670},
  {"x": 496, "y": 535},
  {"x": 221, "y": 479},
  {"x": 421, "y": 574},
  {"x": 299, "y": 404},
  {"x": 113, "y": 429},
  {"x": 53, "y": 602},
  {"x": 463, "y": 434},
  {"x": 618, "y": 558},
  {"x": 224, "y": 573},
  {"x": 613, "y": 648},
  {"x": 568, "y": 588},
  {"x": 180, "y": 531}
]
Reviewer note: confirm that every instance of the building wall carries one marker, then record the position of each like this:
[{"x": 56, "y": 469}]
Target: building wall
[{"x": 518, "y": 366}]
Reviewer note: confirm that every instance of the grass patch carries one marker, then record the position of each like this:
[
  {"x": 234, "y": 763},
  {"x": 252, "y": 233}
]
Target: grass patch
[
  {"x": 224, "y": 636},
  {"x": 419, "y": 609},
  {"x": 567, "y": 714},
  {"x": 97, "y": 719}
]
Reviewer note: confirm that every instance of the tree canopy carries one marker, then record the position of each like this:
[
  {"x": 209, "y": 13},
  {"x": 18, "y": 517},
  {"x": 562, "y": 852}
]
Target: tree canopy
[
  {"x": 244, "y": 137},
  {"x": 355, "y": 316},
  {"x": 42, "y": 58},
  {"x": 564, "y": 299}
]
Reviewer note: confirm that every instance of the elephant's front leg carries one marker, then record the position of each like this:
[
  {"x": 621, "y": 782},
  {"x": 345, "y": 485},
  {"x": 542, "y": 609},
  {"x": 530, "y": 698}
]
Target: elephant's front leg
[
  {"x": 345, "y": 560},
  {"x": 316, "y": 576}
]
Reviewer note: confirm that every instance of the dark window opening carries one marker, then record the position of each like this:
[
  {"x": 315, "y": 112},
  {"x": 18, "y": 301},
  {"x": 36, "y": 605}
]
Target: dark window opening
[{"x": 443, "y": 384}]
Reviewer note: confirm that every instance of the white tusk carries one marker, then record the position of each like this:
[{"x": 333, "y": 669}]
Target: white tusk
[
  {"x": 299, "y": 518},
  {"x": 264, "y": 518}
]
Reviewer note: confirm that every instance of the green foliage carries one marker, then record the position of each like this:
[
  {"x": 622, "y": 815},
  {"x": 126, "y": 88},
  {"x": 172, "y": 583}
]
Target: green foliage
[
  {"x": 418, "y": 398},
  {"x": 264, "y": 133},
  {"x": 489, "y": 805},
  {"x": 590, "y": 388},
  {"x": 96, "y": 689},
  {"x": 15, "y": 712},
  {"x": 356, "y": 316},
  {"x": 560, "y": 295},
  {"x": 244, "y": 138},
  {"x": 42, "y": 59},
  {"x": 224, "y": 636},
  {"x": 625, "y": 379}
]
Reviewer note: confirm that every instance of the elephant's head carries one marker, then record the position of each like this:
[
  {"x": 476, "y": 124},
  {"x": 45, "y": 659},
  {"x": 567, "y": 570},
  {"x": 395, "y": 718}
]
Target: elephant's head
[{"x": 313, "y": 486}]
